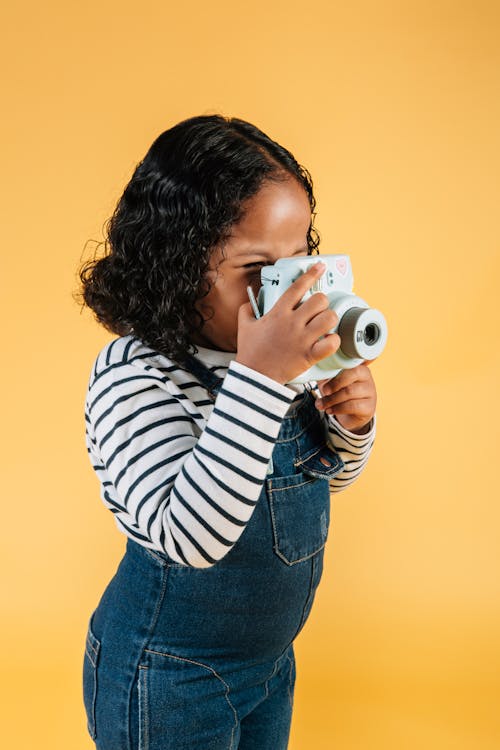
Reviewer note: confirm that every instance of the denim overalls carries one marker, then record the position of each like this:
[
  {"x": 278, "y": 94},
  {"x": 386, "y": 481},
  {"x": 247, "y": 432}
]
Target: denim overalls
[{"x": 181, "y": 658}]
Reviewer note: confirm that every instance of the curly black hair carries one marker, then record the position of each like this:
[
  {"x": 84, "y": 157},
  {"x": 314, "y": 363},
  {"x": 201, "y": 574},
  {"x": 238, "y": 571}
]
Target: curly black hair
[{"x": 181, "y": 202}]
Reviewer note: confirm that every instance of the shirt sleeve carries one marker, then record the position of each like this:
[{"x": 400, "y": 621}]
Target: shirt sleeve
[
  {"x": 354, "y": 450},
  {"x": 170, "y": 488}
]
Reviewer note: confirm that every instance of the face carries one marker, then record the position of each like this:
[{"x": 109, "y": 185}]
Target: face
[{"x": 274, "y": 225}]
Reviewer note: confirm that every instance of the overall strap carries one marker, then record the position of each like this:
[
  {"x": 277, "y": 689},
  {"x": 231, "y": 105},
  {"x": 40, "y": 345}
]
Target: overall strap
[{"x": 207, "y": 378}]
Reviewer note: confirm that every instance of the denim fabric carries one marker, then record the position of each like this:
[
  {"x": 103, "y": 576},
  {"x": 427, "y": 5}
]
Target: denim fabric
[{"x": 202, "y": 659}]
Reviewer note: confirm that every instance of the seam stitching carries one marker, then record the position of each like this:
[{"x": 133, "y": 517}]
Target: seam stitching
[
  {"x": 290, "y": 694},
  {"x": 210, "y": 669},
  {"x": 92, "y": 660},
  {"x": 143, "y": 709},
  {"x": 292, "y": 486},
  {"x": 95, "y": 648}
]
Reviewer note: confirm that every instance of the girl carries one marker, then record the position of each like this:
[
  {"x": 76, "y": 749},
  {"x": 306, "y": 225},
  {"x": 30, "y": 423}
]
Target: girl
[{"x": 216, "y": 470}]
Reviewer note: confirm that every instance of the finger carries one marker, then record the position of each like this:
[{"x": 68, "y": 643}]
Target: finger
[
  {"x": 293, "y": 295},
  {"x": 321, "y": 323},
  {"x": 361, "y": 407},
  {"x": 325, "y": 347},
  {"x": 345, "y": 378},
  {"x": 317, "y": 304},
  {"x": 353, "y": 391},
  {"x": 314, "y": 304},
  {"x": 348, "y": 375}
]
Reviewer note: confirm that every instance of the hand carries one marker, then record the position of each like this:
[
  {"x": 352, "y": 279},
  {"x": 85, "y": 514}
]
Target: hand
[
  {"x": 290, "y": 337},
  {"x": 351, "y": 396}
]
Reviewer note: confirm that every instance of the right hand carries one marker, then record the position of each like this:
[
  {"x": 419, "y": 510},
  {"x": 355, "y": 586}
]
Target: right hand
[{"x": 285, "y": 341}]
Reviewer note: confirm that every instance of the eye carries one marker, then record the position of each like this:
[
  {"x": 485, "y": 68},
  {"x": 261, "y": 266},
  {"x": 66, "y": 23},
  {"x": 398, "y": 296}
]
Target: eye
[{"x": 253, "y": 266}]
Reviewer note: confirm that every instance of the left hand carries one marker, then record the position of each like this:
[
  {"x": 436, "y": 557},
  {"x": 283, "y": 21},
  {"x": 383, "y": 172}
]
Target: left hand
[{"x": 351, "y": 396}]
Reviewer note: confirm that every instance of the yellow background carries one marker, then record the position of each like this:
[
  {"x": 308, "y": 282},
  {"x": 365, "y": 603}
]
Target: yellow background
[{"x": 394, "y": 108}]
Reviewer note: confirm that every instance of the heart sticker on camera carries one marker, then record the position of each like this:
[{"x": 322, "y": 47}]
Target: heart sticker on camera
[{"x": 341, "y": 266}]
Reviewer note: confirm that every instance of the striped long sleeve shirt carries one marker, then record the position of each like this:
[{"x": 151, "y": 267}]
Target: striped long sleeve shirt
[{"x": 180, "y": 473}]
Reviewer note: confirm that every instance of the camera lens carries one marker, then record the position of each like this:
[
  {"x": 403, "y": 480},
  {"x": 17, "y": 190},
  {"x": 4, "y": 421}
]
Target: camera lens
[
  {"x": 371, "y": 334},
  {"x": 362, "y": 333}
]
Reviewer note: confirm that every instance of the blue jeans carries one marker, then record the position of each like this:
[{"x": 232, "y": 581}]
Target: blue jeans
[{"x": 181, "y": 658}]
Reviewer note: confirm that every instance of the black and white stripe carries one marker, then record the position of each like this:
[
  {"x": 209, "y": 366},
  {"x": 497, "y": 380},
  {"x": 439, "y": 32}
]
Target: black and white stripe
[
  {"x": 354, "y": 450},
  {"x": 180, "y": 474}
]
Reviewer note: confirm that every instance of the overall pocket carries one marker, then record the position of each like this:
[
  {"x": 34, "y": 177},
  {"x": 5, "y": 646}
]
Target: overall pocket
[
  {"x": 300, "y": 505},
  {"x": 183, "y": 704},
  {"x": 90, "y": 662}
]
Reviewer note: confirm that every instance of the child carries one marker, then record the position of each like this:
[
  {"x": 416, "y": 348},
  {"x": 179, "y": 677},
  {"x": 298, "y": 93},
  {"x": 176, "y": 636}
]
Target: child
[{"x": 216, "y": 470}]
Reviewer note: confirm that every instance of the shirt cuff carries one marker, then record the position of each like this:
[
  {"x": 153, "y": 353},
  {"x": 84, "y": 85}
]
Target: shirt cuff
[{"x": 353, "y": 436}]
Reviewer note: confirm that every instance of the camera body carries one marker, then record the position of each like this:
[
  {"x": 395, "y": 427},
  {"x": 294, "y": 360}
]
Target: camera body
[{"x": 362, "y": 330}]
